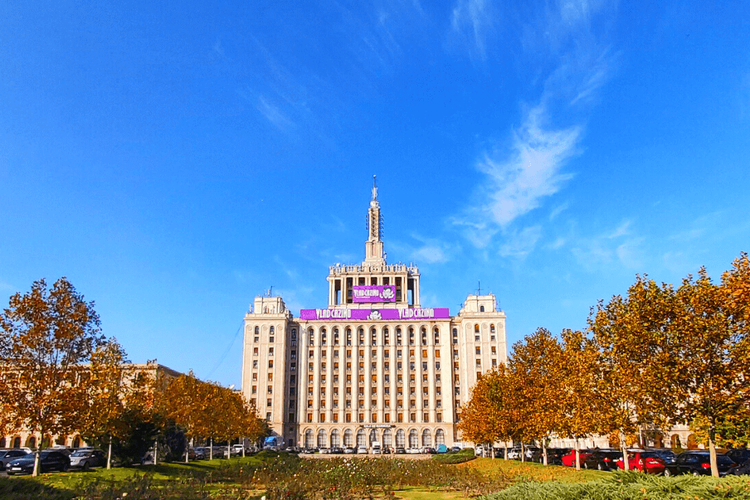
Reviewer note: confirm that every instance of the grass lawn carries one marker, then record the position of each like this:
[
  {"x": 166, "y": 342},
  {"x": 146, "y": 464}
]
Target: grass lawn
[{"x": 517, "y": 471}]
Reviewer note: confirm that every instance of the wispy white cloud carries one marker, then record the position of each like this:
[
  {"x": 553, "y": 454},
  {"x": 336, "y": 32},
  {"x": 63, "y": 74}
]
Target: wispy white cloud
[
  {"x": 473, "y": 21},
  {"x": 620, "y": 247},
  {"x": 520, "y": 244},
  {"x": 272, "y": 113},
  {"x": 519, "y": 178},
  {"x": 427, "y": 250}
]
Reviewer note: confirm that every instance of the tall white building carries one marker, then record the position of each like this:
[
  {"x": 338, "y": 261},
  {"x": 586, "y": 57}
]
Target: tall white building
[{"x": 375, "y": 366}]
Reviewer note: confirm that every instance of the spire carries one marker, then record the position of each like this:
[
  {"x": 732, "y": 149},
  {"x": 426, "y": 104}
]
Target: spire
[{"x": 374, "y": 245}]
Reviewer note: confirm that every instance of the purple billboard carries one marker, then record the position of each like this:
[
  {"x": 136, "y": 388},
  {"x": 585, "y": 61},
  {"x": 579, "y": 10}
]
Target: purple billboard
[
  {"x": 374, "y": 314},
  {"x": 374, "y": 293}
]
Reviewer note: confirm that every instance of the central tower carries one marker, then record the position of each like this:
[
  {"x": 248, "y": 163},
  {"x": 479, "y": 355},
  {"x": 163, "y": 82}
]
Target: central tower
[{"x": 392, "y": 286}]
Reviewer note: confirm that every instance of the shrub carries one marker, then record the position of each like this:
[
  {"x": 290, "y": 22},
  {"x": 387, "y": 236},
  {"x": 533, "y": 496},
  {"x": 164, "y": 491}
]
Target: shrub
[
  {"x": 29, "y": 489},
  {"x": 630, "y": 486},
  {"x": 458, "y": 457}
]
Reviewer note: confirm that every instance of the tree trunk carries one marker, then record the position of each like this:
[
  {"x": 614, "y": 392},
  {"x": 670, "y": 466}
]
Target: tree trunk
[
  {"x": 544, "y": 451},
  {"x": 578, "y": 456},
  {"x": 623, "y": 447},
  {"x": 37, "y": 452},
  {"x": 109, "y": 454},
  {"x": 156, "y": 452},
  {"x": 523, "y": 452},
  {"x": 211, "y": 449},
  {"x": 712, "y": 450}
]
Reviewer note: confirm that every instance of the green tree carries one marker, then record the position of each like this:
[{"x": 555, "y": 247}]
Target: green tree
[{"x": 45, "y": 335}]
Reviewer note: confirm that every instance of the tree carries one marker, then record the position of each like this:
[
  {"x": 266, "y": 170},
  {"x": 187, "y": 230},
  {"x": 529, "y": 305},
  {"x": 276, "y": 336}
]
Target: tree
[
  {"x": 535, "y": 366},
  {"x": 102, "y": 404},
  {"x": 46, "y": 335},
  {"x": 578, "y": 398},
  {"x": 488, "y": 416},
  {"x": 630, "y": 334}
]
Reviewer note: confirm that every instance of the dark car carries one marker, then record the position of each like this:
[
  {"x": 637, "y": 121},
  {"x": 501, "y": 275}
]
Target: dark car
[
  {"x": 400, "y": 451},
  {"x": 8, "y": 455},
  {"x": 741, "y": 469},
  {"x": 602, "y": 459},
  {"x": 698, "y": 462},
  {"x": 48, "y": 460},
  {"x": 667, "y": 455},
  {"x": 85, "y": 459},
  {"x": 739, "y": 455}
]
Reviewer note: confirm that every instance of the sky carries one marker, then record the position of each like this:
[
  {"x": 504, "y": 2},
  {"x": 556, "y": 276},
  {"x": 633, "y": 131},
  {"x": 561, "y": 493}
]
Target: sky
[{"x": 176, "y": 159}]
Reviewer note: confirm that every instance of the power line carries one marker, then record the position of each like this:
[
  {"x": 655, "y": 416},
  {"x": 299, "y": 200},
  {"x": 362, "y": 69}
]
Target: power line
[{"x": 226, "y": 352}]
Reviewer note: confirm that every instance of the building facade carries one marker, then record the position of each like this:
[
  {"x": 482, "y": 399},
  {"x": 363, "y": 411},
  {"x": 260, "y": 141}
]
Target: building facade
[{"x": 374, "y": 366}]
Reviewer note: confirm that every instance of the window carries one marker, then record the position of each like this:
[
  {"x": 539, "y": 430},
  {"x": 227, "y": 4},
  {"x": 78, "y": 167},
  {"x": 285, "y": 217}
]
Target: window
[
  {"x": 476, "y": 338},
  {"x": 424, "y": 365},
  {"x": 270, "y": 363},
  {"x": 270, "y": 389},
  {"x": 255, "y": 351},
  {"x": 478, "y": 350},
  {"x": 269, "y": 402},
  {"x": 476, "y": 328},
  {"x": 255, "y": 389},
  {"x": 270, "y": 351},
  {"x": 255, "y": 363}
]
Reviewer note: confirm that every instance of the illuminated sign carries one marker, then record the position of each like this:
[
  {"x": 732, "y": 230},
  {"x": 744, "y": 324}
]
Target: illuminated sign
[
  {"x": 374, "y": 314},
  {"x": 374, "y": 293}
]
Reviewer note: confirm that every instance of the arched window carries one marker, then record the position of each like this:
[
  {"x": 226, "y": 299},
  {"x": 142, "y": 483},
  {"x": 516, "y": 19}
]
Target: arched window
[
  {"x": 257, "y": 330},
  {"x": 348, "y": 438},
  {"x": 309, "y": 443},
  {"x": 335, "y": 438},
  {"x": 413, "y": 439},
  {"x": 411, "y": 336},
  {"x": 17, "y": 443},
  {"x": 321, "y": 438},
  {"x": 373, "y": 436},
  {"x": 400, "y": 438},
  {"x": 386, "y": 336},
  {"x": 481, "y": 309},
  {"x": 437, "y": 336},
  {"x": 387, "y": 438},
  {"x": 31, "y": 442},
  {"x": 439, "y": 437},
  {"x": 335, "y": 336},
  {"x": 360, "y": 438},
  {"x": 426, "y": 438},
  {"x": 374, "y": 336},
  {"x": 492, "y": 328},
  {"x": 270, "y": 331},
  {"x": 311, "y": 335},
  {"x": 476, "y": 328},
  {"x": 361, "y": 333},
  {"x": 294, "y": 335},
  {"x": 323, "y": 336}
]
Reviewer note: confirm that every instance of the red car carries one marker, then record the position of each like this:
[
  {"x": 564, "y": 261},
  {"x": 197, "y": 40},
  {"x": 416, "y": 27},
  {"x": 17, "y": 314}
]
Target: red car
[
  {"x": 644, "y": 461},
  {"x": 569, "y": 460}
]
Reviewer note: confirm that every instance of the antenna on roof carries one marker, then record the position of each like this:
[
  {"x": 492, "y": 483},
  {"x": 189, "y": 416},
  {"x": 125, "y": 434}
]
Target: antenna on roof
[{"x": 479, "y": 287}]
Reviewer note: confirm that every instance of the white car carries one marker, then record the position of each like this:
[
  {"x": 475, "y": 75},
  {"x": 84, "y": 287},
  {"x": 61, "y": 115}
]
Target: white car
[{"x": 362, "y": 450}]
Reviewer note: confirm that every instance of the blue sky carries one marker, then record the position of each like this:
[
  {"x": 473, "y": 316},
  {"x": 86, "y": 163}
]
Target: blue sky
[{"x": 174, "y": 160}]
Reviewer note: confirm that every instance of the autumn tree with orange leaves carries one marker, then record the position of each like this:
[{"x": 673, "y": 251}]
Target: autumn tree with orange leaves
[
  {"x": 45, "y": 335},
  {"x": 487, "y": 416},
  {"x": 535, "y": 367},
  {"x": 578, "y": 398}
]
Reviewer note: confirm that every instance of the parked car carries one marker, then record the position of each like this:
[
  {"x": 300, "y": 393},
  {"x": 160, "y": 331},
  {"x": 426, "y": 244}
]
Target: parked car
[
  {"x": 362, "y": 450},
  {"x": 739, "y": 455},
  {"x": 698, "y": 462},
  {"x": 603, "y": 459},
  {"x": 741, "y": 469},
  {"x": 569, "y": 460},
  {"x": 201, "y": 452},
  {"x": 643, "y": 461},
  {"x": 48, "y": 460},
  {"x": 554, "y": 455},
  {"x": 455, "y": 449},
  {"x": 413, "y": 451},
  {"x": 350, "y": 450},
  {"x": 8, "y": 455},
  {"x": 400, "y": 451},
  {"x": 665, "y": 454},
  {"x": 85, "y": 459}
]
